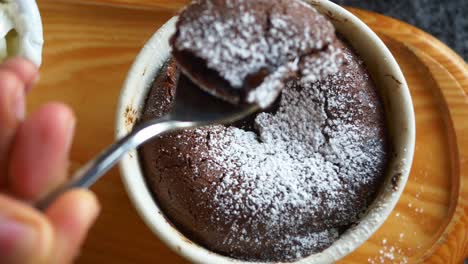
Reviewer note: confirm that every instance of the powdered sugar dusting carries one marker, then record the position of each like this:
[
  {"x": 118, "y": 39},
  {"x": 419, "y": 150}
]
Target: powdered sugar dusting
[
  {"x": 317, "y": 66},
  {"x": 268, "y": 91},
  {"x": 305, "y": 170},
  {"x": 390, "y": 254},
  {"x": 239, "y": 39}
]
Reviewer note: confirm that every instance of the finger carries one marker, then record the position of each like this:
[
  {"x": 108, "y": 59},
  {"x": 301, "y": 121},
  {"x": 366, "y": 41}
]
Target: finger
[
  {"x": 25, "y": 235},
  {"x": 24, "y": 69},
  {"x": 71, "y": 217},
  {"x": 39, "y": 157},
  {"x": 12, "y": 110},
  {"x": 16, "y": 76}
]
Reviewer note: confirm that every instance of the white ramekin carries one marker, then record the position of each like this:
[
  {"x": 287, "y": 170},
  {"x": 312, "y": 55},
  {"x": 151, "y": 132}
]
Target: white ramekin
[
  {"x": 400, "y": 117},
  {"x": 25, "y": 18}
]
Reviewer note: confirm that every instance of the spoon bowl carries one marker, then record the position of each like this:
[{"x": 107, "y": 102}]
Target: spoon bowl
[{"x": 193, "y": 104}]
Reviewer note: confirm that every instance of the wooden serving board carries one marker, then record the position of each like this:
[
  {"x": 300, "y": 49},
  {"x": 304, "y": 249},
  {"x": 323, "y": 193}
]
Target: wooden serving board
[{"x": 90, "y": 45}]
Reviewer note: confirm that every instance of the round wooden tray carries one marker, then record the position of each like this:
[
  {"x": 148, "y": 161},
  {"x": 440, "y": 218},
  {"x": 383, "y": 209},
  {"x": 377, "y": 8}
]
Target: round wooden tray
[
  {"x": 89, "y": 49},
  {"x": 430, "y": 222}
]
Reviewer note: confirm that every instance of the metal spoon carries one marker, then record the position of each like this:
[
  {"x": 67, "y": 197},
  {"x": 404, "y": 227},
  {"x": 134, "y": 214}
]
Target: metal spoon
[{"x": 192, "y": 108}]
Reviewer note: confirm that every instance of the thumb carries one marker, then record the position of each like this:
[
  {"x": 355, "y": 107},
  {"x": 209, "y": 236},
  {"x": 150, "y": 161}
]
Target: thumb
[
  {"x": 71, "y": 216},
  {"x": 25, "y": 234}
]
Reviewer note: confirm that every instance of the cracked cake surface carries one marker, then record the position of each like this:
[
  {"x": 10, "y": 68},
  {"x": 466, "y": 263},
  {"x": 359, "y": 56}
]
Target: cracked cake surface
[{"x": 281, "y": 184}]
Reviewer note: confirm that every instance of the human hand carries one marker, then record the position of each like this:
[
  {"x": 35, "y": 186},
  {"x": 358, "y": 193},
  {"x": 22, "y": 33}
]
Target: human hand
[{"x": 34, "y": 160}]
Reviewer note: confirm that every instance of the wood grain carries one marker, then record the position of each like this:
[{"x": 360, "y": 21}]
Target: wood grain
[
  {"x": 90, "y": 45},
  {"x": 168, "y": 5},
  {"x": 454, "y": 240},
  {"x": 450, "y": 72}
]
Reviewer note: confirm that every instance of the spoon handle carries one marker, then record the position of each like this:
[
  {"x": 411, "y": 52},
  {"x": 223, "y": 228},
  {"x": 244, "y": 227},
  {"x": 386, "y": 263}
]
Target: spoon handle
[{"x": 96, "y": 168}]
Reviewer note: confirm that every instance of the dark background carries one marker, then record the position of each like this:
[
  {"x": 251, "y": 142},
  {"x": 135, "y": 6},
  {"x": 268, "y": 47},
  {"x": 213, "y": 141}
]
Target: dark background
[{"x": 445, "y": 19}]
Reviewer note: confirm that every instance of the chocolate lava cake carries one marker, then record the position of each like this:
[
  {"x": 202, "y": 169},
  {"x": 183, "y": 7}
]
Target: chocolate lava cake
[{"x": 285, "y": 182}]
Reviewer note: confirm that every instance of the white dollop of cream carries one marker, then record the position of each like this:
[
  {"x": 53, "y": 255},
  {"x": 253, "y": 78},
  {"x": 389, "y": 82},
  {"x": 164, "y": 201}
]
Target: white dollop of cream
[{"x": 21, "y": 30}]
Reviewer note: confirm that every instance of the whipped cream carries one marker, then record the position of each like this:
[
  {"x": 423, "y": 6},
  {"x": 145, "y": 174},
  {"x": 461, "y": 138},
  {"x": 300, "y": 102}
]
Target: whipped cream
[{"x": 20, "y": 30}]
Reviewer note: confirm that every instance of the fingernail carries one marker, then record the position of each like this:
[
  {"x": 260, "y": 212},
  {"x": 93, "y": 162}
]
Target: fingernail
[
  {"x": 20, "y": 104},
  {"x": 15, "y": 240}
]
